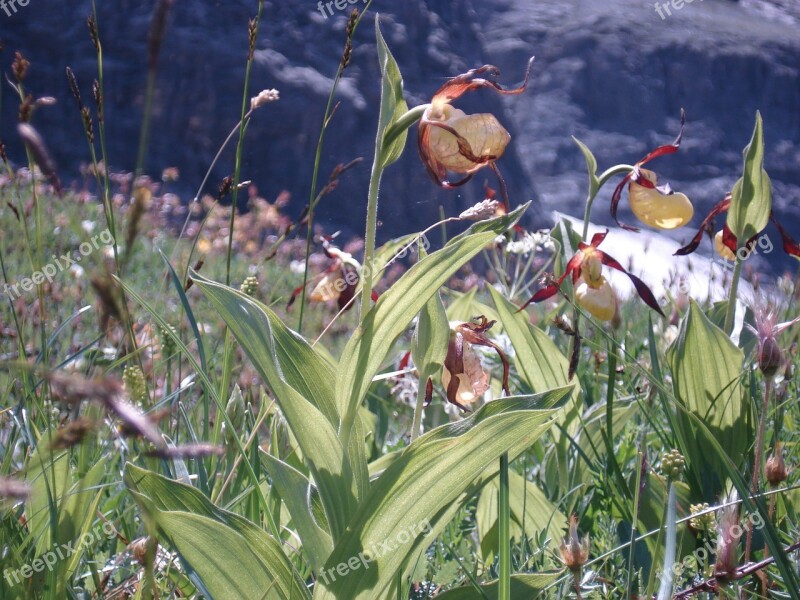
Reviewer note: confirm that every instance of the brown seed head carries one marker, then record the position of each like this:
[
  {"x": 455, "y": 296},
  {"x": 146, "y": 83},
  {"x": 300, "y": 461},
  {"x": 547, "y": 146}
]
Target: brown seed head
[{"x": 20, "y": 67}]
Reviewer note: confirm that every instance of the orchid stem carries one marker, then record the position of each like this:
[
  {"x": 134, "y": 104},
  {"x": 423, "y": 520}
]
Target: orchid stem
[
  {"x": 730, "y": 313},
  {"x": 369, "y": 241},
  {"x": 504, "y": 524},
  {"x": 762, "y": 421},
  {"x": 418, "y": 409},
  {"x": 595, "y": 188}
]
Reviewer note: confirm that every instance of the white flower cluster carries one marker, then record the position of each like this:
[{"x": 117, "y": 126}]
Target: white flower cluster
[{"x": 531, "y": 242}]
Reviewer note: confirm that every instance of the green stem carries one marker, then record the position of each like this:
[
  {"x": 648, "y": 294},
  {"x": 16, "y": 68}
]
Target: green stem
[
  {"x": 759, "y": 452},
  {"x": 730, "y": 313},
  {"x": 504, "y": 528},
  {"x": 418, "y": 408},
  {"x": 612, "y": 375},
  {"x": 594, "y": 189},
  {"x": 369, "y": 239}
]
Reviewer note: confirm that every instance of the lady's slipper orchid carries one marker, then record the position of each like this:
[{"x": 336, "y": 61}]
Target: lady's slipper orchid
[
  {"x": 654, "y": 205},
  {"x": 338, "y": 282},
  {"x": 451, "y": 140},
  {"x": 726, "y": 243},
  {"x": 463, "y": 375},
  {"x": 588, "y": 263}
]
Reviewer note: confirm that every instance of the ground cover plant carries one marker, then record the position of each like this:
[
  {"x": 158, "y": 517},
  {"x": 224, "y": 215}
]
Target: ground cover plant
[{"x": 201, "y": 401}]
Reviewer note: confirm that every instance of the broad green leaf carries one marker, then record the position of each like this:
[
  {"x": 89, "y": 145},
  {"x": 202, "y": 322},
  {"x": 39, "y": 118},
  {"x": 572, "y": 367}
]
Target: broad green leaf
[
  {"x": 707, "y": 369},
  {"x": 425, "y": 479},
  {"x": 431, "y": 338},
  {"x": 751, "y": 197},
  {"x": 542, "y": 366},
  {"x": 523, "y": 587},
  {"x": 591, "y": 166},
  {"x": 81, "y": 508},
  {"x": 461, "y": 306},
  {"x": 49, "y": 479},
  {"x": 531, "y": 512},
  {"x": 301, "y": 382},
  {"x": 257, "y": 548},
  {"x": 393, "y": 105},
  {"x": 223, "y": 559},
  {"x": 294, "y": 489},
  {"x": 537, "y": 359},
  {"x": 370, "y": 344}
]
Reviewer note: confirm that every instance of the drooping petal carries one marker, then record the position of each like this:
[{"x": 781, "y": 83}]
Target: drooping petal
[
  {"x": 550, "y": 290},
  {"x": 790, "y": 246},
  {"x": 460, "y": 84},
  {"x": 719, "y": 208},
  {"x": 615, "y": 198},
  {"x": 641, "y": 287}
]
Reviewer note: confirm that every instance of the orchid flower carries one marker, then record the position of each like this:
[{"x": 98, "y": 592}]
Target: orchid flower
[
  {"x": 463, "y": 376},
  {"x": 594, "y": 292},
  {"x": 726, "y": 243},
  {"x": 450, "y": 140},
  {"x": 338, "y": 282},
  {"x": 654, "y": 205}
]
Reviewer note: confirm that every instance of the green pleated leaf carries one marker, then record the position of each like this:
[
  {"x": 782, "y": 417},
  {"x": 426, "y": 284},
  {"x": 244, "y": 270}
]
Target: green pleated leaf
[
  {"x": 370, "y": 344},
  {"x": 431, "y": 338},
  {"x": 427, "y": 477},
  {"x": 706, "y": 370},
  {"x": 531, "y": 513},
  {"x": 523, "y": 587},
  {"x": 301, "y": 381},
  {"x": 751, "y": 197},
  {"x": 294, "y": 489},
  {"x": 591, "y": 166},
  {"x": 229, "y": 567},
  {"x": 230, "y": 554},
  {"x": 393, "y": 105}
]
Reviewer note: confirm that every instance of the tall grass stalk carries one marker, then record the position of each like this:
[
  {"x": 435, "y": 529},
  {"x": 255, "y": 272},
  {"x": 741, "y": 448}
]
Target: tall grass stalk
[
  {"x": 504, "y": 530},
  {"x": 314, "y": 196}
]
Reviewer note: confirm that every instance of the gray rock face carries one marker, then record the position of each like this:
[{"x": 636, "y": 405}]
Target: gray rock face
[{"x": 614, "y": 73}]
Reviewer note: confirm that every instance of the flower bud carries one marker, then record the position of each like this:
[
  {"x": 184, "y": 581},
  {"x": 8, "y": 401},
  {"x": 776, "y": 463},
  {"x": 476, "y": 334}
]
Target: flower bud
[
  {"x": 574, "y": 552},
  {"x": 729, "y": 532},
  {"x": 776, "y": 469},
  {"x": 135, "y": 384},
  {"x": 672, "y": 465},
  {"x": 770, "y": 356},
  {"x": 249, "y": 286},
  {"x": 701, "y": 523},
  {"x": 168, "y": 346}
]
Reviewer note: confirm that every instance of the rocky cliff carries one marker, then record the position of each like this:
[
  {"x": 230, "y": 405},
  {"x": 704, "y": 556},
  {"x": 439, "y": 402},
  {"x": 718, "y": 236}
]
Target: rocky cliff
[{"x": 613, "y": 73}]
